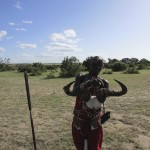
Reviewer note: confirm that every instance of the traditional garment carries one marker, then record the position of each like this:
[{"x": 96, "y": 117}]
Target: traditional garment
[
  {"x": 86, "y": 123},
  {"x": 91, "y": 93}
]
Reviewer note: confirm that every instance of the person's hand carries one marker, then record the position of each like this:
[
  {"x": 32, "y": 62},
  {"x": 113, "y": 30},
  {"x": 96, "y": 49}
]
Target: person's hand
[
  {"x": 97, "y": 83},
  {"x": 87, "y": 84},
  {"x": 90, "y": 83}
]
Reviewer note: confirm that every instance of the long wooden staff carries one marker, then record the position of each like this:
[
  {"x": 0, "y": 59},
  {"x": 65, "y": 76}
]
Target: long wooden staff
[{"x": 30, "y": 107}]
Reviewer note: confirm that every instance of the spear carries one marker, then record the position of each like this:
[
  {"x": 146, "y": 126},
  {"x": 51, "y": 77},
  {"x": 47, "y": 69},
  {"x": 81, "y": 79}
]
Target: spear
[{"x": 30, "y": 107}]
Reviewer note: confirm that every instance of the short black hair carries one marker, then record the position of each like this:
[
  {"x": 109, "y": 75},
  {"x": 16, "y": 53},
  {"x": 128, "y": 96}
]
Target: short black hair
[{"x": 99, "y": 60}]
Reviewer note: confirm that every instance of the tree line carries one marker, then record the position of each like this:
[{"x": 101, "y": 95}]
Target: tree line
[{"x": 69, "y": 67}]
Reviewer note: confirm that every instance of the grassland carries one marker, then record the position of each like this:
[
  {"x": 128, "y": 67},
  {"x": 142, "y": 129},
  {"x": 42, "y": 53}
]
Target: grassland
[{"x": 128, "y": 128}]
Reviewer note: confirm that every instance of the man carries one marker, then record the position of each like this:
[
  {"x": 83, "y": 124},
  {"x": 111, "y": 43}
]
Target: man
[{"x": 91, "y": 92}]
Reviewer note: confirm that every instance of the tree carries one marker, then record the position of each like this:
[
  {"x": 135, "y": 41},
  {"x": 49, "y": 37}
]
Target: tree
[
  {"x": 118, "y": 66},
  {"x": 144, "y": 61},
  {"x": 126, "y": 60},
  {"x": 38, "y": 69},
  {"x": 70, "y": 67},
  {"x": 112, "y": 61},
  {"x": 5, "y": 64},
  {"x": 134, "y": 61}
]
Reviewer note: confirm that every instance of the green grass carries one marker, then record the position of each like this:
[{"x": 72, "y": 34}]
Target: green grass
[{"x": 52, "y": 110}]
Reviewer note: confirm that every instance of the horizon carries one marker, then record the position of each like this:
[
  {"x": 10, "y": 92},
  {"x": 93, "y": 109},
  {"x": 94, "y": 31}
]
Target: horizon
[{"x": 48, "y": 31}]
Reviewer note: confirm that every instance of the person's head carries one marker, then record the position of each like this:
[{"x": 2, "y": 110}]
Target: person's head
[{"x": 96, "y": 66}]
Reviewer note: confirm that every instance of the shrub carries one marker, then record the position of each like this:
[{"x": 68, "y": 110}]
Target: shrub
[
  {"x": 36, "y": 71},
  {"x": 5, "y": 65},
  {"x": 70, "y": 67},
  {"x": 141, "y": 66},
  {"x": 39, "y": 67},
  {"x": 107, "y": 72},
  {"x": 52, "y": 67},
  {"x": 131, "y": 71},
  {"x": 25, "y": 67},
  {"x": 51, "y": 74},
  {"x": 118, "y": 66}
]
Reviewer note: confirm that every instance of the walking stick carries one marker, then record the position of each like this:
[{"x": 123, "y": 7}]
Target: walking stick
[{"x": 30, "y": 107}]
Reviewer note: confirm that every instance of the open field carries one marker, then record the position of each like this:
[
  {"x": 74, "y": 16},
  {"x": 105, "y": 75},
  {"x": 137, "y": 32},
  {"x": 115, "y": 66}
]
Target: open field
[{"x": 128, "y": 128}]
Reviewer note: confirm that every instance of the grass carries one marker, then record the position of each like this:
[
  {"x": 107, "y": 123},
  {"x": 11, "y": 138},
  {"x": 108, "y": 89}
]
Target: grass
[{"x": 127, "y": 129}]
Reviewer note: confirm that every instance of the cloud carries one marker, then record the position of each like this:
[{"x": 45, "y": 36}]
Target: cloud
[
  {"x": 57, "y": 37},
  {"x": 12, "y": 24},
  {"x": 2, "y": 49},
  {"x": 27, "y": 21},
  {"x": 70, "y": 33},
  {"x": 18, "y": 5},
  {"x": 2, "y": 34},
  {"x": 62, "y": 47},
  {"x": 24, "y": 46},
  {"x": 20, "y": 29},
  {"x": 64, "y": 42},
  {"x": 66, "y": 36}
]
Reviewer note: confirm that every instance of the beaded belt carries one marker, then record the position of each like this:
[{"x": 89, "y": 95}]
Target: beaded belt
[{"x": 85, "y": 113}]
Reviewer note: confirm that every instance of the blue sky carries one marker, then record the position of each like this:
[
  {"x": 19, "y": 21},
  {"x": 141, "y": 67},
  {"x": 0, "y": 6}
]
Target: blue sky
[{"x": 48, "y": 30}]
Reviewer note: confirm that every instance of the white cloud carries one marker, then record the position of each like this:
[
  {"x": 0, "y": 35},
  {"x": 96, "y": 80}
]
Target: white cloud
[
  {"x": 18, "y": 5},
  {"x": 66, "y": 36},
  {"x": 24, "y": 46},
  {"x": 62, "y": 47},
  {"x": 27, "y": 21},
  {"x": 2, "y": 49},
  {"x": 57, "y": 37},
  {"x": 12, "y": 24},
  {"x": 64, "y": 42},
  {"x": 20, "y": 29},
  {"x": 2, "y": 34},
  {"x": 70, "y": 33}
]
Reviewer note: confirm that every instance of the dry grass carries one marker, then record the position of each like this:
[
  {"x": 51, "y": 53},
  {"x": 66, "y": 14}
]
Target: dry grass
[{"x": 128, "y": 128}]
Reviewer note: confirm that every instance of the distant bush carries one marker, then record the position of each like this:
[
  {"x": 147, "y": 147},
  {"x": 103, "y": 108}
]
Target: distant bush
[
  {"x": 70, "y": 67},
  {"x": 52, "y": 67},
  {"x": 51, "y": 74},
  {"x": 118, "y": 66},
  {"x": 131, "y": 71},
  {"x": 39, "y": 66},
  {"x": 141, "y": 66},
  {"x": 36, "y": 72},
  {"x": 38, "y": 69},
  {"x": 25, "y": 67},
  {"x": 107, "y": 72},
  {"x": 34, "y": 69},
  {"x": 5, "y": 65}
]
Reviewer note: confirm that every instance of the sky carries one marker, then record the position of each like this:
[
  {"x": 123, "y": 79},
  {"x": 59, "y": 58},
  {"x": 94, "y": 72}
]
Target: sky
[{"x": 47, "y": 31}]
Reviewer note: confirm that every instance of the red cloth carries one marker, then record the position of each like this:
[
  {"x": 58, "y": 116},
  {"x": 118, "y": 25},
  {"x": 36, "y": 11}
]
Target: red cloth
[{"x": 94, "y": 137}]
